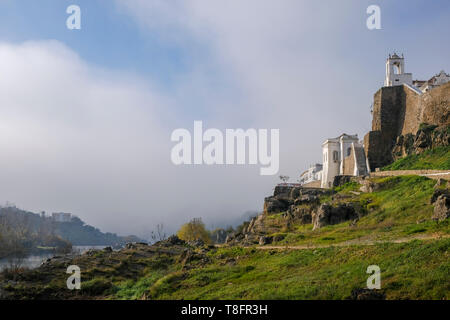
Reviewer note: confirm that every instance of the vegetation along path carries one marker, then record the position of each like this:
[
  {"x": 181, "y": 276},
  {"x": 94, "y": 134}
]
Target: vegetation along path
[{"x": 355, "y": 243}]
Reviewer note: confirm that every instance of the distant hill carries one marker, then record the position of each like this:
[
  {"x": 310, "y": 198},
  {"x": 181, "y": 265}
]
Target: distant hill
[
  {"x": 80, "y": 234},
  {"x": 76, "y": 231}
]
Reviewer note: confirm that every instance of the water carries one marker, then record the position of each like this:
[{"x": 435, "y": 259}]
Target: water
[
  {"x": 31, "y": 261},
  {"x": 83, "y": 249},
  {"x": 35, "y": 260}
]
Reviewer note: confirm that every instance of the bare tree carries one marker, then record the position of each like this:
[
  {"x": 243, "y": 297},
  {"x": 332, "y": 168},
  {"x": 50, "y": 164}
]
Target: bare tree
[{"x": 159, "y": 234}]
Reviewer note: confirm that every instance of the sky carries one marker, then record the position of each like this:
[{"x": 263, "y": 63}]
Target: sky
[{"x": 86, "y": 115}]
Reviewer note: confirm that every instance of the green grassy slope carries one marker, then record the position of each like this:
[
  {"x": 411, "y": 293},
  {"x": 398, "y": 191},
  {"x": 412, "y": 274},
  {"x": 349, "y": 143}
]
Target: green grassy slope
[
  {"x": 437, "y": 158},
  {"x": 399, "y": 208},
  {"x": 411, "y": 270}
]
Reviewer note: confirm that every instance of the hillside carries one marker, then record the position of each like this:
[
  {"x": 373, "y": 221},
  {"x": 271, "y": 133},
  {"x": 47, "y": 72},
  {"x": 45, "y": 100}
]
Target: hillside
[
  {"x": 81, "y": 234},
  {"x": 23, "y": 231},
  {"x": 413, "y": 270},
  {"x": 392, "y": 207},
  {"x": 437, "y": 158},
  {"x": 308, "y": 244}
]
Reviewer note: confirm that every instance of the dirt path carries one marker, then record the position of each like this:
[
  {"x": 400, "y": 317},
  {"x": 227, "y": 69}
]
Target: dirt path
[
  {"x": 355, "y": 242},
  {"x": 432, "y": 174}
]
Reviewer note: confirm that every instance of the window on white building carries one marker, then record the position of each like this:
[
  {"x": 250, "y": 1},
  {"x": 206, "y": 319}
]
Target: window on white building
[{"x": 335, "y": 156}]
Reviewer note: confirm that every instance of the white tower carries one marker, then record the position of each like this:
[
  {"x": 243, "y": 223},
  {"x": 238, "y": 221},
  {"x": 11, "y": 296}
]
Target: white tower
[
  {"x": 331, "y": 164},
  {"x": 395, "y": 72},
  {"x": 334, "y": 151}
]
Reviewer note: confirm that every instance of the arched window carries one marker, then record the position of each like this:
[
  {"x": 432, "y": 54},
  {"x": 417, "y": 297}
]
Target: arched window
[
  {"x": 349, "y": 150},
  {"x": 396, "y": 68}
]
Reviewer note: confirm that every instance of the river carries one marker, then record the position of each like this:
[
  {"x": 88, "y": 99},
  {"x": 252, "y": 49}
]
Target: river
[{"x": 35, "y": 260}]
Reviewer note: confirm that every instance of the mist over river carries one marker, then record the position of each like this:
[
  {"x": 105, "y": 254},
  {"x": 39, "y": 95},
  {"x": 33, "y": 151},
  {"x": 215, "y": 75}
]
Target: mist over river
[{"x": 35, "y": 260}]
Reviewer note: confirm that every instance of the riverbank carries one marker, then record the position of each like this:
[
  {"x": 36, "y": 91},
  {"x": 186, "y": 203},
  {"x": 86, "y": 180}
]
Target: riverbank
[
  {"x": 416, "y": 269},
  {"x": 36, "y": 257}
]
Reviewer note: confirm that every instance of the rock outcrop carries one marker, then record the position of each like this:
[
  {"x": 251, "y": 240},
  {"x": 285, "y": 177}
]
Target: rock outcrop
[
  {"x": 441, "y": 208},
  {"x": 367, "y": 294},
  {"x": 284, "y": 197},
  {"x": 441, "y": 201},
  {"x": 328, "y": 214},
  {"x": 427, "y": 137}
]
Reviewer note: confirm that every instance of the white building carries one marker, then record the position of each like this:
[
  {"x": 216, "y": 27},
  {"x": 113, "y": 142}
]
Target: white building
[
  {"x": 314, "y": 173},
  {"x": 61, "y": 216},
  {"x": 343, "y": 155},
  {"x": 396, "y": 76},
  {"x": 435, "y": 81},
  {"x": 395, "y": 72}
]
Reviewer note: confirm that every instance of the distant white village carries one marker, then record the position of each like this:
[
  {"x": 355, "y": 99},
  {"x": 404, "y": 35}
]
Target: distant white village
[
  {"x": 58, "y": 216},
  {"x": 344, "y": 155}
]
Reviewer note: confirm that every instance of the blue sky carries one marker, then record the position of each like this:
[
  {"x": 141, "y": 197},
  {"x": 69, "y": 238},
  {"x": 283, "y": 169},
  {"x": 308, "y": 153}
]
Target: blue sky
[
  {"x": 108, "y": 37},
  {"x": 138, "y": 69},
  {"x": 111, "y": 38}
]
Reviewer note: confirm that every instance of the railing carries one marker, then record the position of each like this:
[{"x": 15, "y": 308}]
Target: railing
[{"x": 286, "y": 184}]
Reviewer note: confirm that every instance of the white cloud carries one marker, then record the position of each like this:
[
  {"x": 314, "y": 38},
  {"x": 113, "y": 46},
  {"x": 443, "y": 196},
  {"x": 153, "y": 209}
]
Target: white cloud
[
  {"x": 96, "y": 143},
  {"x": 281, "y": 57}
]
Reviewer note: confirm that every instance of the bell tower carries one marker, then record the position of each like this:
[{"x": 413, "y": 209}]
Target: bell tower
[{"x": 395, "y": 71}]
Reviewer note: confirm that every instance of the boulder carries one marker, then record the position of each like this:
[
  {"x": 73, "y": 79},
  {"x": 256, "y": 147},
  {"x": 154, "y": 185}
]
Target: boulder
[
  {"x": 422, "y": 140},
  {"x": 403, "y": 146},
  {"x": 367, "y": 294},
  {"x": 368, "y": 186},
  {"x": 282, "y": 190},
  {"x": 174, "y": 240},
  {"x": 440, "y": 183},
  {"x": 263, "y": 240},
  {"x": 196, "y": 243},
  {"x": 441, "y": 208},
  {"x": 276, "y": 205},
  {"x": 341, "y": 180},
  {"x": 235, "y": 237},
  {"x": 306, "y": 199},
  {"x": 278, "y": 237},
  {"x": 326, "y": 214},
  {"x": 303, "y": 215},
  {"x": 437, "y": 193}
]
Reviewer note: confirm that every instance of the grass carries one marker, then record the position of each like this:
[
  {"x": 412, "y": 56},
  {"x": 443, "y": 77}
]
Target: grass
[
  {"x": 437, "y": 158},
  {"x": 347, "y": 187},
  {"x": 409, "y": 271},
  {"x": 399, "y": 208}
]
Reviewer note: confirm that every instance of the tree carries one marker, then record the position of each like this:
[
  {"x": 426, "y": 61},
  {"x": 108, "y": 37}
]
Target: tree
[
  {"x": 194, "y": 230},
  {"x": 284, "y": 178},
  {"x": 159, "y": 234}
]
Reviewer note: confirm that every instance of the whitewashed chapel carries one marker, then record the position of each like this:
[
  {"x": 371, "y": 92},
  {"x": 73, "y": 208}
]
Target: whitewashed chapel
[{"x": 343, "y": 155}]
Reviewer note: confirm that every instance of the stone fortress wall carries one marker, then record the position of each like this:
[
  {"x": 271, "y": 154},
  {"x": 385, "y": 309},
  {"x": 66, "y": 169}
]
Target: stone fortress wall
[{"x": 399, "y": 111}]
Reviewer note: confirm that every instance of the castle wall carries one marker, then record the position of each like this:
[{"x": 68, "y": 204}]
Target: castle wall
[
  {"x": 398, "y": 111},
  {"x": 435, "y": 106}
]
